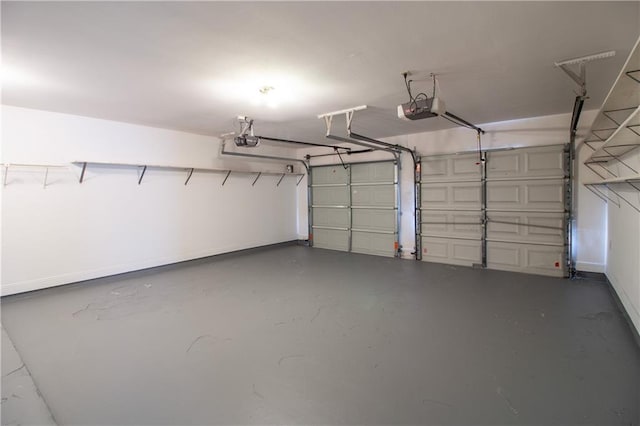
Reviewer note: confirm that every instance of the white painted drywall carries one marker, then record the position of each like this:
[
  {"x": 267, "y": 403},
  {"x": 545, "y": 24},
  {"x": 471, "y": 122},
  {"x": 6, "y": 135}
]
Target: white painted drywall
[
  {"x": 623, "y": 255},
  {"x": 537, "y": 131},
  {"x": 109, "y": 224}
]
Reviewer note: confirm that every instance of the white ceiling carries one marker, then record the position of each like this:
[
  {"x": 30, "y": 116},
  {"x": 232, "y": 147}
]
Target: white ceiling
[{"x": 188, "y": 66}]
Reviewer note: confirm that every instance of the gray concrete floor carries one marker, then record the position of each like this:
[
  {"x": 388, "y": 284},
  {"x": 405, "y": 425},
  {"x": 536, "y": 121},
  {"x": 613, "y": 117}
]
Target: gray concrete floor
[{"x": 293, "y": 335}]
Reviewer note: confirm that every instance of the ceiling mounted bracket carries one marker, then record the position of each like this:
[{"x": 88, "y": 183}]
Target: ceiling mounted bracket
[
  {"x": 581, "y": 76},
  {"x": 328, "y": 117}
]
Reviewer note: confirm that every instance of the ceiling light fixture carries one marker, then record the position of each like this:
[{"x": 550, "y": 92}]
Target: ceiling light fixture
[{"x": 266, "y": 89}]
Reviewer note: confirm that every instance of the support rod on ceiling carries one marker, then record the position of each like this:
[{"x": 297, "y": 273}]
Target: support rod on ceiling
[
  {"x": 462, "y": 122},
  {"x": 266, "y": 157},
  {"x": 352, "y": 152},
  {"x": 369, "y": 146},
  {"x": 289, "y": 141}
]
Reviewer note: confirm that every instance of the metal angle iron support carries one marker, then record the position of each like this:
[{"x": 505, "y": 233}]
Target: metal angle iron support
[
  {"x": 189, "y": 176},
  {"x": 144, "y": 169},
  {"x": 226, "y": 177},
  {"x": 84, "y": 169},
  {"x": 256, "y": 179}
]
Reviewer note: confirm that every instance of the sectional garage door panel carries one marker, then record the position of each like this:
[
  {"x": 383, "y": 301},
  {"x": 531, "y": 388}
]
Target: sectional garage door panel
[
  {"x": 534, "y": 195},
  {"x": 529, "y": 258},
  {"x": 374, "y": 214},
  {"x": 355, "y": 208},
  {"x": 451, "y": 202},
  {"x": 328, "y": 175},
  {"x": 331, "y": 239},
  {"x": 527, "y": 194},
  {"x": 536, "y": 228},
  {"x": 448, "y": 168},
  {"x": 452, "y": 251},
  {"x": 372, "y": 243},
  {"x": 373, "y": 172},
  {"x": 373, "y": 195},
  {"x": 451, "y": 196},
  {"x": 330, "y": 207},
  {"x": 452, "y": 224},
  {"x": 331, "y": 196},
  {"x": 374, "y": 220},
  {"x": 546, "y": 161},
  {"x": 331, "y": 217},
  {"x": 525, "y": 197}
]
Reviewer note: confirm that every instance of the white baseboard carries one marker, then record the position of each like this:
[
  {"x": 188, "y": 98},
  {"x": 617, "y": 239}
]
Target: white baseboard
[{"x": 590, "y": 267}]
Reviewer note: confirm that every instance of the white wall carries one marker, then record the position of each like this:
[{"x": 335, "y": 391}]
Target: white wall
[
  {"x": 109, "y": 224},
  {"x": 623, "y": 255},
  {"x": 537, "y": 131}
]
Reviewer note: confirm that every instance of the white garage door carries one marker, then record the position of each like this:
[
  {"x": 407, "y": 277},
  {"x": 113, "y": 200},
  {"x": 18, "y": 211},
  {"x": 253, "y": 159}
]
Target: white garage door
[
  {"x": 451, "y": 209},
  {"x": 355, "y": 208},
  {"x": 526, "y": 210},
  {"x": 526, "y": 201}
]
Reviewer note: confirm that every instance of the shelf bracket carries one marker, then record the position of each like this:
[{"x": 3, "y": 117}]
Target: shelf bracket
[
  {"x": 604, "y": 197},
  {"x": 6, "y": 172},
  {"x": 188, "y": 177},
  {"x": 84, "y": 169},
  {"x": 590, "y": 167},
  {"x": 606, "y": 114},
  {"x": 226, "y": 177},
  {"x": 300, "y": 180},
  {"x": 281, "y": 177},
  {"x": 623, "y": 199},
  {"x": 46, "y": 174},
  {"x": 617, "y": 158},
  {"x": 588, "y": 144},
  {"x": 256, "y": 179},
  {"x": 144, "y": 169},
  {"x": 628, "y": 73},
  {"x": 632, "y": 128}
]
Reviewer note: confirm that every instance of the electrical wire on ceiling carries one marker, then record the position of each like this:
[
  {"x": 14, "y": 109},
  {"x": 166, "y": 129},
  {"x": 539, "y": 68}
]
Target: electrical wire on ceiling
[{"x": 414, "y": 99}]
